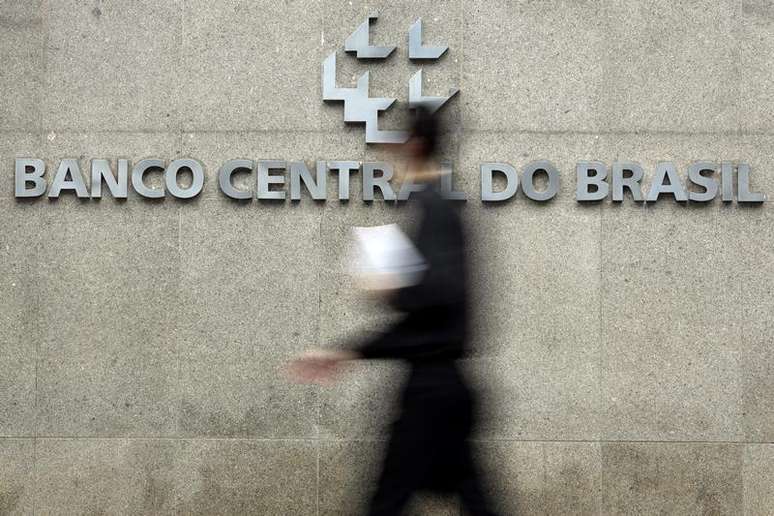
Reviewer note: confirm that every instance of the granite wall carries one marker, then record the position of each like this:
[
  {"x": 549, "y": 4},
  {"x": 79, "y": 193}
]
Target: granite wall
[{"x": 625, "y": 352}]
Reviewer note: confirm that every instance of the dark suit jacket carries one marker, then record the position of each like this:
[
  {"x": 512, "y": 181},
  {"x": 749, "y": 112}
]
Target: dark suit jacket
[{"x": 434, "y": 324}]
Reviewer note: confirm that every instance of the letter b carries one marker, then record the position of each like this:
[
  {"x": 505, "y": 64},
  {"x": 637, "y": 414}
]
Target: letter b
[
  {"x": 586, "y": 180},
  {"x": 24, "y": 176}
]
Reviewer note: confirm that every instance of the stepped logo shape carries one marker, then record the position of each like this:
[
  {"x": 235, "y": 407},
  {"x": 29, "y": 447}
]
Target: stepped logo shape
[{"x": 359, "y": 106}]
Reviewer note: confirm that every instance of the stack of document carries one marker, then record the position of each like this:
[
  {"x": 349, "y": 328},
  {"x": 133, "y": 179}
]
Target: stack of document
[{"x": 384, "y": 257}]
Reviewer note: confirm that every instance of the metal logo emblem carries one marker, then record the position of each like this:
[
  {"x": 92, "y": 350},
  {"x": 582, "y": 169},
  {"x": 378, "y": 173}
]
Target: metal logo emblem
[{"x": 359, "y": 106}]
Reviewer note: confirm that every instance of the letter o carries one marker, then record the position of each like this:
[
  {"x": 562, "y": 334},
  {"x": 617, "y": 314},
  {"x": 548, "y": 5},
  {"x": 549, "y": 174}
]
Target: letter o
[
  {"x": 527, "y": 178},
  {"x": 170, "y": 178}
]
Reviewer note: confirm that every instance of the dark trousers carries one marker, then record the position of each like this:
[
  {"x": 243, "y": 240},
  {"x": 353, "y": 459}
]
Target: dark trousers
[{"x": 429, "y": 448}]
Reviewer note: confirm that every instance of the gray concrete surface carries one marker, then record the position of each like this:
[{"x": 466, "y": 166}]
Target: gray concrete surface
[{"x": 626, "y": 351}]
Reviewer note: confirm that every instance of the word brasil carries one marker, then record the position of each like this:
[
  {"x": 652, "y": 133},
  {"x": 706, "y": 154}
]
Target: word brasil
[{"x": 594, "y": 180}]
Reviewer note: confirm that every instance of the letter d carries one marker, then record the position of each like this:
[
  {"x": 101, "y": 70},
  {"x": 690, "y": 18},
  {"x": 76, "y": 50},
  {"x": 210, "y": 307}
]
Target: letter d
[{"x": 511, "y": 183}]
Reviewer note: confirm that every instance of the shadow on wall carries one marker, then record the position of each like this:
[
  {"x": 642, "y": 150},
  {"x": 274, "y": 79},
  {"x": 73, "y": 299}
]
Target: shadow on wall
[{"x": 522, "y": 484}]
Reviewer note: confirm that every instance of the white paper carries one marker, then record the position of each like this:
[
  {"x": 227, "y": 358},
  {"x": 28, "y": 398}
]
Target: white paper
[{"x": 386, "y": 252}]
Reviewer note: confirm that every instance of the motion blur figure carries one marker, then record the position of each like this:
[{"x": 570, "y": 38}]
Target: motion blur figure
[{"x": 428, "y": 448}]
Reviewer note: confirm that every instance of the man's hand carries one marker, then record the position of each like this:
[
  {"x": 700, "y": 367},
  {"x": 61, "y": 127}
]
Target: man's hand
[{"x": 318, "y": 366}]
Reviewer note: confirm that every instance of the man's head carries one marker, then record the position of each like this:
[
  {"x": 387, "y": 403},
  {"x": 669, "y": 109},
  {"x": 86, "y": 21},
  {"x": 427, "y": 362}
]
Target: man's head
[{"x": 423, "y": 136}]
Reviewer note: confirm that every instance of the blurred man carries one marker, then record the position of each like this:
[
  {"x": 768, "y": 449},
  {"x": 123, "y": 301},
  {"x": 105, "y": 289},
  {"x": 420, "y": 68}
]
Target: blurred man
[{"x": 428, "y": 448}]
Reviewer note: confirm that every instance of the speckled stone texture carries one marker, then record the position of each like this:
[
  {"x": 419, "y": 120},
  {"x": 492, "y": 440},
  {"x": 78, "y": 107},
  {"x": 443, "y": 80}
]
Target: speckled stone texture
[{"x": 624, "y": 352}]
